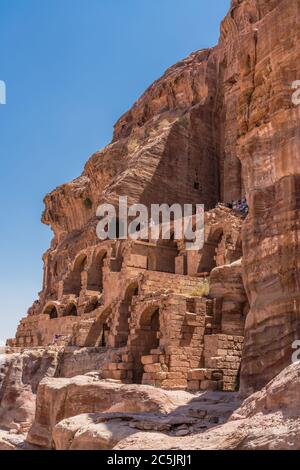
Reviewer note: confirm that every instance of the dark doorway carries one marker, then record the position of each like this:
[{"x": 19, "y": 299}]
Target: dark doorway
[
  {"x": 146, "y": 340},
  {"x": 95, "y": 275},
  {"x": 52, "y": 312},
  {"x": 72, "y": 283},
  {"x": 124, "y": 315},
  {"x": 71, "y": 311}
]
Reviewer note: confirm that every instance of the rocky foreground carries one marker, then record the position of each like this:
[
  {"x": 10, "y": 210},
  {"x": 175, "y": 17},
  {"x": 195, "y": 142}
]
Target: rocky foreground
[{"x": 87, "y": 412}]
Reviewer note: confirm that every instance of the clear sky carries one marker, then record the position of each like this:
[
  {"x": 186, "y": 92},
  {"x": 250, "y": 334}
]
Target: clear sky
[{"x": 72, "y": 68}]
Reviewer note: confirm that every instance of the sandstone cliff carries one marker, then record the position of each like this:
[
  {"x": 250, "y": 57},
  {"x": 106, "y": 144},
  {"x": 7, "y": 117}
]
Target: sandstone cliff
[
  {"x": 269, "y": 152},
  {"x": 217, "y": 126}
]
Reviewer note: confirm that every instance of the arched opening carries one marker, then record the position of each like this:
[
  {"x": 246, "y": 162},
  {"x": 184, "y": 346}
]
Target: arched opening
[
  {"x": 72, "y": 284},
  {"x": 100, "y": 330},
  {"x": 124, "y": 315},
  {"x": 209, "y": 251},
  {"x": 92, "y": 305},
  {"x": 71, "y": 311},
  {"x": 146, "y": 340},
  {"x": 104, "y": 335},
  {"x": 95, "y": 275},
  {"x": 51, "y": 310}
]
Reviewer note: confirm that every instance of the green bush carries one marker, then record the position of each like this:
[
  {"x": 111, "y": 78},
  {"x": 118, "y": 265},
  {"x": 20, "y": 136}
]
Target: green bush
[
  {"x": 201, "y": 291},
  {"x": 88, "y": 202}
]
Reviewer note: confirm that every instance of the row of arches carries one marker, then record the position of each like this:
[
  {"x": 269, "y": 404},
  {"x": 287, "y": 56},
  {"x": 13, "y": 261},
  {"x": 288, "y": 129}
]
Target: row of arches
[
  {"x": 100, "y": 332},
  {"x": 140, "y": 341},
  {"x": 144, "y": 339},
  {"x": 73, "y": 282},
  {"x": 94, "y": 274}
]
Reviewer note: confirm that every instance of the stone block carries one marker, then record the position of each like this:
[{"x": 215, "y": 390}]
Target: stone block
[
  {"x": 125, "y": 365},
  {"x": 151, "y": 359},
  {"x": 152, "y": 367},
  {"x": 161, "y": 375},
  {"x": 176, "y": 375},
  {"x": 176, "y": 384},
  {"x": 138, "y": 261},
  {"x": 127, "y": 357},
  {"x": 118, "y": 374},
  {"x": 112, "y": 366},
  {"x": 196, "y": 374},
  {"x": 191, "y": 319}
]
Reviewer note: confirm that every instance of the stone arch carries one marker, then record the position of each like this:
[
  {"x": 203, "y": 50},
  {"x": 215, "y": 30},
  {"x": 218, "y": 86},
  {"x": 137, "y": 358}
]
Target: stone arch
[
  {"x": 71, "y": 310},
  {"x": 100, "y": 330},
  {"x": 208, "y": 253},
  {"x": 73, "y": 282},
  {"x": 80, "y": 262},
  {"x": 124, "y": 314},
  {"x": 95, "y": 274},
  {"x": 146, "y": 339},
  {"x": 51, "y": 309},
  {"x": 92, "y": 305},
  {"x": 103, "y": 339}
]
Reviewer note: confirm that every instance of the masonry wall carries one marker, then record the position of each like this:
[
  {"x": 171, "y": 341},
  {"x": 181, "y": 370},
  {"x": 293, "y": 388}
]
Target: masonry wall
[{"x": 157, "y": 327}]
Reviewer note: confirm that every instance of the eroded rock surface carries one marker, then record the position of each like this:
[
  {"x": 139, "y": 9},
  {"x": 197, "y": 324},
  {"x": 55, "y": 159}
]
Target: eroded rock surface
[
  {"x": 85, "y": 413},
  {"x": 60, "y": 398},
  {"x": 269, "y": 152},
  {"x": 18, "y": 389},
  {"x": 267, "y": 420},
  {"x": 22, "y": 372}
]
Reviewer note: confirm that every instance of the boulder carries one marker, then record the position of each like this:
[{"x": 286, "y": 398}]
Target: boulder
[{"x": 60, "y": 398}]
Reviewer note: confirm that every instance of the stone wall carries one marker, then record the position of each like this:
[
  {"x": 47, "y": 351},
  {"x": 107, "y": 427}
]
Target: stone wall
[{"x": 126, "y": 298}]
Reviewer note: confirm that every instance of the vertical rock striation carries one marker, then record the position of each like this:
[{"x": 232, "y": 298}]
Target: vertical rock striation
[{"x": 269, "y": 150}]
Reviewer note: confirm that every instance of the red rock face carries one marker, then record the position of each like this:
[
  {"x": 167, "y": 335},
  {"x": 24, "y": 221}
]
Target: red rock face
[
  {"x": 161, "y": 147},
  {"x": 269, "y": 149}
]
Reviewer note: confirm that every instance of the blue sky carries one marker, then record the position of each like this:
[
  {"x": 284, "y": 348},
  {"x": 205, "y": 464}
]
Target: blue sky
[{"x": 71, "y": 68}]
